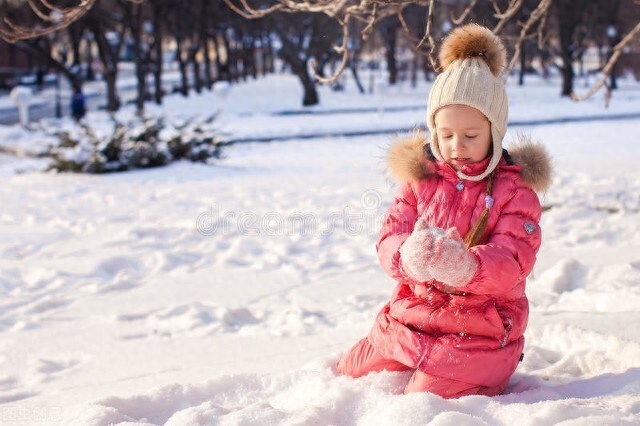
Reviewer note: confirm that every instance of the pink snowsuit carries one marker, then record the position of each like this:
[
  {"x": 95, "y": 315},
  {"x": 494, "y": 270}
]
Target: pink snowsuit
[{"x": 468, "y": 340}]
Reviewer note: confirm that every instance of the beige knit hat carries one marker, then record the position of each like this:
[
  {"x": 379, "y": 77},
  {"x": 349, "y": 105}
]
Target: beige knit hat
[{"x": 473, "y": 58}]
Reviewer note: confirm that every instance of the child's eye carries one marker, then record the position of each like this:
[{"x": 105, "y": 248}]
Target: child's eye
[
  {"x": 472, "y": 136},
  {"x": 446, "y": 136}
]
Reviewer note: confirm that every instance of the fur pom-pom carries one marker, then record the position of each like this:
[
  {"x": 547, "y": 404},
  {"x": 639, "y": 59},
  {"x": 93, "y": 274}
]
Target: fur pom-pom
[{"x": 474, "y": 40}]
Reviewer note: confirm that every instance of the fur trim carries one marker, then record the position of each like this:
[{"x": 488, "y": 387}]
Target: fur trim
[
  {"x": 473, "y": 40},
  {"x": 535, "y": 162},
  {"x": 408, "y": 161},
  {"x": 406, "y": 157}
]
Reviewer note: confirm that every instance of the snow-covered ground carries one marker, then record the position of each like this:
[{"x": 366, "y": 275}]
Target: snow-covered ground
[{"x": 225, "y": 293}]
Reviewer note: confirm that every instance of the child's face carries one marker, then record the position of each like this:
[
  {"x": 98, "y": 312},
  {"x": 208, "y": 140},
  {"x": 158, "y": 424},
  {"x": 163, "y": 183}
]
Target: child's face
[{"x": 464, "y": 135}]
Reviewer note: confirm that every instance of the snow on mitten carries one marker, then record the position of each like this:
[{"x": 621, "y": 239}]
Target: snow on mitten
[
  {"x": 417, "y": 248},
  {"x": 451, "y": 262}
]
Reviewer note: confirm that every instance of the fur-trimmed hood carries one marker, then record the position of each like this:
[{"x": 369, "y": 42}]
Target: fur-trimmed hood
[{"x": 408, "y": 160}]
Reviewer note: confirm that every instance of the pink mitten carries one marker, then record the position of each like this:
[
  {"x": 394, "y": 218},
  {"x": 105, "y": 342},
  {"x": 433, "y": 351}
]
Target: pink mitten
[
  {"x": 450, "y": 262},
  {"x": 416, "y": 250}
]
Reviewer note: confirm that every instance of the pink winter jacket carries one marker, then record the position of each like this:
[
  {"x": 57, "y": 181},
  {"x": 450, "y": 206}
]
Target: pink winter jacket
[{"x": 475, "y": 334}]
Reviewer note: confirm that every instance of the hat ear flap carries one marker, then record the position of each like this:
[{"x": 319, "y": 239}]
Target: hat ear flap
[{"x": 435, "y": 147}]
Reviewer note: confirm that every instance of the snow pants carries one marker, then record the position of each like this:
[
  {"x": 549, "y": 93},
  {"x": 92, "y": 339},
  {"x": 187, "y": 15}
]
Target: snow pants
[{"x": 362, "y": 359}]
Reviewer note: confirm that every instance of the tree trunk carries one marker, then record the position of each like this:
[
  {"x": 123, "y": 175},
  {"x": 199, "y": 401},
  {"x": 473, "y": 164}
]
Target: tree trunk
[
  {"x": 569, "y": 18},
  {"x": 250, "y": 57},
  {"x": 567, "y": 78},
  {"x": 90, "y": 74},
  {"x": 392, "y": 67},
  {"x": 264, "y": 54},
  {"x": 113, "y": 103},
  {"x": 201, "y": 39},
  {"x": 157, "y": 60},
  {"x": 216, "y": 48},
  {"x": 426, "y": 68},
  {"x": 215, "y": 72},
  {"x": 208, "y": 79},
  {"x": 242, "y": 54},
  {"x": 228, "y": 68},
  {"x": 353, "y": 65},
  {"x": 523, "y": 64},
  {"x": 182, "y": 65},
  {"x": 195, "y": 66},
  {"x": 310, "y": 93},
  {"x": 414, "y": 70},
  {"x": 141, "y": 75},
  {"x": 75, "y": 37},
  {"x": 613, "y": 77},
  {"x": 389, "y": 36},
  {"x": 299, "y": 67},
  {"x": 110, "y": 67},
  {"x": 269, "y": 60},
  {"x": 108, "y": 55}
]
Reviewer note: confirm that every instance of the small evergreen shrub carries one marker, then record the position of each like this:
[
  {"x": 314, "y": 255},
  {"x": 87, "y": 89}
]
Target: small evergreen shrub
[{"x": 148, "y": 142}]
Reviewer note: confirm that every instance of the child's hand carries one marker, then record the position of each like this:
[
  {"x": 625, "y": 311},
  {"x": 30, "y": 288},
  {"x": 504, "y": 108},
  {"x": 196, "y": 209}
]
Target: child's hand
[
  {"x": 450, "y": 262},
  {"x": 417, "y": 248}
]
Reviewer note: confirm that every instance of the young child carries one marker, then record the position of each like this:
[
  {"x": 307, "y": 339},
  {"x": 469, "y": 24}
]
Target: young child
[{"x": 458, "y": 313}]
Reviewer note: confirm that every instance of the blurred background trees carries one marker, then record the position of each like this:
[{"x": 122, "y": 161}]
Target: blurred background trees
[{"x": 210, "y": 41}]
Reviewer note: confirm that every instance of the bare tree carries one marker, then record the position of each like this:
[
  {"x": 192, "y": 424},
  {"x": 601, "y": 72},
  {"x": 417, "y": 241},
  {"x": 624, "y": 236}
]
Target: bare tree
[
  {"x": 45, "y": 17},
  {"x": 305, "y": 37},
  {"x": 569, "y": 15},
  {"x": 389, "y": 29},
  {"x": 569, "y": 22},
  {"x": 42, "y": 48},
  {"x": 141, "y": 51},
  {"x": 158, "y": 11},
  {"x": 100, "y": 17}
]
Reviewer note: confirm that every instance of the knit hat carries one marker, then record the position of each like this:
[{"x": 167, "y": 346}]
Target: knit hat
[{"x": 472, "y": 58}]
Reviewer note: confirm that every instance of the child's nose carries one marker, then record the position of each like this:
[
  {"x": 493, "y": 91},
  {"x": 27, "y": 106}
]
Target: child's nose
[{"x": 457, "y": 143}]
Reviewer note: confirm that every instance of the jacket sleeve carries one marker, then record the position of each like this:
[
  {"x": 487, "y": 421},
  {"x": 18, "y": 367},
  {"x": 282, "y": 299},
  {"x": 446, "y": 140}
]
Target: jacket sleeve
[
  {"x": 397, "y": 225},
  {"x": 510, "y": 253}
]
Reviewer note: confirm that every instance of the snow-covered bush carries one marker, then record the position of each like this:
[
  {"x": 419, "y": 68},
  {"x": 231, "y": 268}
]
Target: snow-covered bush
[{"x": 148, "y": 142}]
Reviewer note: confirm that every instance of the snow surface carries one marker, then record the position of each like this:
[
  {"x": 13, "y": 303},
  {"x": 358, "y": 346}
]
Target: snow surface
[{"x": 225, "y": 293}]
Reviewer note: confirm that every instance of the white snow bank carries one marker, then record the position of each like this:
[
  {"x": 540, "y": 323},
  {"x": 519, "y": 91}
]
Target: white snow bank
[{"x": 225, "y": 293}]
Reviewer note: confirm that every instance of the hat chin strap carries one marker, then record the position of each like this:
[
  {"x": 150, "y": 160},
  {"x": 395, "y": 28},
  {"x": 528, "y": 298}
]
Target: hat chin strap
[
  {"x": 495, "y": 158},
  {"x": 490, "y": 167}
]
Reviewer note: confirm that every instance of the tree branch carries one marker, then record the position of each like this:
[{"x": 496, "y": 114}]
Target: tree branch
[
  {"x": 606, "y": 71},
  {"x": 536, "y": 15},
  {"x": 54, "y": 18},
  {"x": 504, "y": 17},
  {"x": 465, "y": 13}
]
